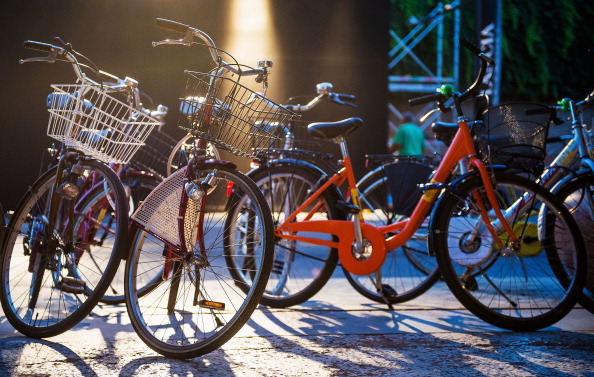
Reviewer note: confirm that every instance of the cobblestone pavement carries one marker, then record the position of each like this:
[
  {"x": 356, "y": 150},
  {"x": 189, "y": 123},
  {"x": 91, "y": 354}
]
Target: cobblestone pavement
[{"x": 429, "y": 336}]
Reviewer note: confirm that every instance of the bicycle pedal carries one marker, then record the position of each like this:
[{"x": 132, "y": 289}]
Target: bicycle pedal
[
  {"x": 207, "y": 304},
  {"x": 76, "y": 289},
  {"x": 278, "y": 267},
  {"x": 388, "y": 292},
  {"x": 347, "y": 207},
  {"x": 69, "y": 280}
]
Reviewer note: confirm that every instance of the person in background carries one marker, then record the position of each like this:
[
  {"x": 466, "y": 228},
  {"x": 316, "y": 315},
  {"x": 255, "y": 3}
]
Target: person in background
[{"x": 409, "y": 139}]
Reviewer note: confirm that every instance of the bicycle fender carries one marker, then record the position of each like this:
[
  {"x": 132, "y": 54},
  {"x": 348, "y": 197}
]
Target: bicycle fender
[
  {"x": 199, "y": 164},
  {"x": 569, "y": 178},
  {"x": 286, "y": 161}
]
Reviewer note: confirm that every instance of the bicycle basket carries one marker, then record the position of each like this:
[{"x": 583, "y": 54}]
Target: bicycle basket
[
  {"x": 88, "y": 119},
  {"x": 153, "y": 156},
  {"x": 231, "y": 116},
  {"x": 510, "y": 137},
  {"x": 403, "y": 177}
]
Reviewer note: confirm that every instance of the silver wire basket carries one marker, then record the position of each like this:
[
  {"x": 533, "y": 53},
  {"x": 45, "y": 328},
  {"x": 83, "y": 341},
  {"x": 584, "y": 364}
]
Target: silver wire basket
[
  {"x": 101, "y": 126},
  {"x": 233, "y": 117}
]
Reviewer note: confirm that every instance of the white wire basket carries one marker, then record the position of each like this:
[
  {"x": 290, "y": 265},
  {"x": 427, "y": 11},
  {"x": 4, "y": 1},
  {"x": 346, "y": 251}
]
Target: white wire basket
[{"x": 101, "y": 126}]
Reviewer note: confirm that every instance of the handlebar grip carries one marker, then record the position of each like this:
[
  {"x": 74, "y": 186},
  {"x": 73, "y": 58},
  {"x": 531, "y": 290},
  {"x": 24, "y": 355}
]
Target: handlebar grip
[
  {"x": 171, "y": 25},
  {"x": 32, "y": 45},
  {"x": 538, "y": 110},
  {"x": 470, "y": 46},
  {"x": 425, "y": 99}
]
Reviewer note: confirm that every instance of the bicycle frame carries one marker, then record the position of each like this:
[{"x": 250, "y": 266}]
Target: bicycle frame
[
  {"x": 351, "y": 235},
  {"x": 576, "y": 148}
]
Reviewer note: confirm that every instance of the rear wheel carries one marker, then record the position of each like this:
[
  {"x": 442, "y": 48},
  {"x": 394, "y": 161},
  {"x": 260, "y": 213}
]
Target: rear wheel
[{"x": 408, "y": 271}]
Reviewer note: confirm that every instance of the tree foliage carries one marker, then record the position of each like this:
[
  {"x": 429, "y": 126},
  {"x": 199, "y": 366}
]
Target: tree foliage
[{"x": 545, "y": 45}]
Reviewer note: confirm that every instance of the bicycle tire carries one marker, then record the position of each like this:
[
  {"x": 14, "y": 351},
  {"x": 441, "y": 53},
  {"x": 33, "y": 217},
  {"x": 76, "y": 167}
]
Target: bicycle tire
[
  {"x": 572, "y": 194},
  {"x": 523, "y": 289},
  {"x": 300, "y": 270},
  {"x": 182, "y": 153},
  {"x": 409, "y": 271},
  {"x": 179, "y": 318},
  {"x": 58, "y": 264},
  {"x": 95, "y": 205}
]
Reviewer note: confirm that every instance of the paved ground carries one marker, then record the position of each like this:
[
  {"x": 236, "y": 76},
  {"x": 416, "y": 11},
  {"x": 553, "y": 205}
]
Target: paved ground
[{"x": 337, "y": 334}]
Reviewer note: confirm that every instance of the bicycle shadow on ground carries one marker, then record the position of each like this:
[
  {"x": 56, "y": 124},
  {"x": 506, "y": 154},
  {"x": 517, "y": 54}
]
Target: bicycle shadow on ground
[
  {"x": 398, "y": 344},
  {"x": 315, "y": 317},
  {"x": 21, "y": 356}
]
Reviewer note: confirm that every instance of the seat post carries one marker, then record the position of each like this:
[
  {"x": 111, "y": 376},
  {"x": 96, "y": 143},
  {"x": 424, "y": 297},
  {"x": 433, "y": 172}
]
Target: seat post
[{"x": 343, "y": 147}]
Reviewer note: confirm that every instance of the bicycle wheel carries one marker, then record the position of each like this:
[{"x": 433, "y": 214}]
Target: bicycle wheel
[
  {"x": 408, "y": 271},
  {"x": 574, "y": 195},
  {"x": 299, "y": 269},
  {"x": 195, "y": 306},
  {"x": 50, "y": 279},
  {"x": 524, "y": 288},
  {"x": 183, "y": 152},
  {"x": 97, "y": 227}
]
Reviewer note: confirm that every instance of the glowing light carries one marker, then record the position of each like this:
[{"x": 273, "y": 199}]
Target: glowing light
[{"x": 250, "y": 34}]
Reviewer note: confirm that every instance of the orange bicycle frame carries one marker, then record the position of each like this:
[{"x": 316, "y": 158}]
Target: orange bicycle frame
[{"x": 461, "y": 147}]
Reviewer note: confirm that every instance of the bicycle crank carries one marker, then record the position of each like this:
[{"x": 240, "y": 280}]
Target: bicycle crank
[{"x": 370, "y": 258}]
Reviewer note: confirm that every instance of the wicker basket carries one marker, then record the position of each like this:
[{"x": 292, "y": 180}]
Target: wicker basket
[
  {"x": 89, "y": 119},
  {"x": 508, "y": 136},
  {"x": 231, "y": 116}
]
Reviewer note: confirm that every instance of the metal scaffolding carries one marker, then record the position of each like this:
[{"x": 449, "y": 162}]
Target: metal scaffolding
[{"x": 437, "y": 20}]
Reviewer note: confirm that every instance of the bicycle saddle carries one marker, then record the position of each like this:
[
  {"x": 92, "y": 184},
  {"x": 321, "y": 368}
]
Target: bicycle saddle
[{"x": 332, "y": 130}]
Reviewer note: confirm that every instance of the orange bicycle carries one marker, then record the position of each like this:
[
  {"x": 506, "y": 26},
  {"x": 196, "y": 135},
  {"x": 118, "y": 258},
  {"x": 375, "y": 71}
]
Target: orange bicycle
[{"x": 507, "y": 248}]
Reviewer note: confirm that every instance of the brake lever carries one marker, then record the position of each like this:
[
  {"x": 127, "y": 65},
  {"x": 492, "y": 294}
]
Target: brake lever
[
  {"x": 64, "y": 45},
  {"x": 49, "y": 59}
]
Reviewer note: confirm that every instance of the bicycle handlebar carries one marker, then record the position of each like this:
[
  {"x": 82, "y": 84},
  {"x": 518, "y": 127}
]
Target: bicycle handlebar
[
  {"x": 324, "y": 90},
  {"x": 32, "y": 45},
  {"x": 425, "y": 99},
  {"x": 471, "y": 91},
  {"x": 68, "y": 54},
  {"x": 563, "y": 105},
  {"x": 191, "y": 32}
]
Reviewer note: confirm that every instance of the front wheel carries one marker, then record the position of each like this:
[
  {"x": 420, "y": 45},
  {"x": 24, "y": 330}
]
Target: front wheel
[
  {"x": 524, "y": 287},
  {"x": 192, "y": 302},
  {"x": 51, "y": 278}
]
